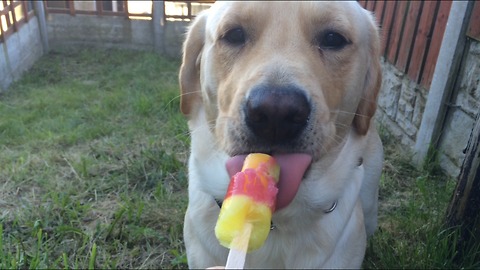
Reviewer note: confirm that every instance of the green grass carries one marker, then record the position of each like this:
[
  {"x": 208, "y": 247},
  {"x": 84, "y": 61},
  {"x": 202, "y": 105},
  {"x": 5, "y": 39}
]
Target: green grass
[
  {"x": 92, "y": 163},
  {"x": 412, "y": 209},
  {"x": 93, "y": 155}
]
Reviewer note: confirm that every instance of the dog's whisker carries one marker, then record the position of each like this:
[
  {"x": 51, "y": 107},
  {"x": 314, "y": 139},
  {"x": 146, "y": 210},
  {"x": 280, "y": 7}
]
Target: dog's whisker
[
  {"x": 351, "y": 113},
  {"x": 180, "y": 96},
  {"x": 338, "y": 124}
]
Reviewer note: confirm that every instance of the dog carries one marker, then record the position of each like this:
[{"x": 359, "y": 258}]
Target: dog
[{"x": 298, "y": 81}]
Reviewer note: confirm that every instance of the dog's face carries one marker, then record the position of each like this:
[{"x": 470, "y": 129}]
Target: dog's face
[{"x": 282, "y": 77}]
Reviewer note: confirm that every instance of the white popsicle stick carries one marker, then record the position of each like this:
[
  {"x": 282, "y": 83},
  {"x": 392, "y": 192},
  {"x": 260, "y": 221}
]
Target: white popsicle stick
[{"x": 238, "y": 250}]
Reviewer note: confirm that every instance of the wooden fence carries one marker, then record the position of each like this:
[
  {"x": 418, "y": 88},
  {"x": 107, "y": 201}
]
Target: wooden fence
[
  {"x": 174, "y": 10},
  {"x": 101, "y": 8},
  {"x": 412, "y": 33},
  {"x": 473, "y": 30},
  {"x": 14, "y": 14}
]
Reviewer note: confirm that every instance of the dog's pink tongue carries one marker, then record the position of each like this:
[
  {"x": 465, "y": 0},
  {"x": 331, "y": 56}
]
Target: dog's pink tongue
[{"x": 292, "y": 169}]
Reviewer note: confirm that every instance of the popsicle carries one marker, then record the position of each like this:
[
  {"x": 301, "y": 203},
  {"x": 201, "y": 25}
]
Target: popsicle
[{"x": 245, "y": 217}]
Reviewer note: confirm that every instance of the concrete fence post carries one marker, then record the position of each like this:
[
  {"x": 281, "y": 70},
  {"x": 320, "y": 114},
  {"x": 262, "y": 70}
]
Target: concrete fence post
[
  {"x": 42, "y": 23},
  {"x": 158, "y": 26},
  {"x": 443, "y": 81}
]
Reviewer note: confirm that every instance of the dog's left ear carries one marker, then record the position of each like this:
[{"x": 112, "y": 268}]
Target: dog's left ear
[
  {"x": 189, "y": 76},
  {"x": 373, "y": 81}
]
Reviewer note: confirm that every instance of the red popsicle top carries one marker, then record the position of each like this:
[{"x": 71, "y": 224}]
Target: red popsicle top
[{"x": 257, "y": 180}]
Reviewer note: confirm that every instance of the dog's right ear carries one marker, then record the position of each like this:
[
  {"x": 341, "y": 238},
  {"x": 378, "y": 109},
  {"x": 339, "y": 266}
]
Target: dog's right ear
[
  {"x": 189, "y": 77},
  {"x": 373, "y": 80}
]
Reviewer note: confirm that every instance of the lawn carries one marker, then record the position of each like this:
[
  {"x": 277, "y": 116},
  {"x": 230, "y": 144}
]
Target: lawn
[
  {"x": 92, "y": 163},
  {"x": 93, "y": 155}
]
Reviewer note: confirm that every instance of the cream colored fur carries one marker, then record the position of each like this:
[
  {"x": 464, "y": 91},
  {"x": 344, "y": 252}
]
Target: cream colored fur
[{"x": 347, "y": 153}]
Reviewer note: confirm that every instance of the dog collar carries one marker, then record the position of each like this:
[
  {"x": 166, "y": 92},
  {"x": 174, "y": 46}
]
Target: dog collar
[
  {"x": 334, "y": 205},
  {"x": 272, "y": 226},
  {"x": 219, "y": 203}
]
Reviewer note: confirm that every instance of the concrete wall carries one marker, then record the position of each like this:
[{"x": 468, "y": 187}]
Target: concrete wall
[
  {"x": 464, "y": 106},
  {"x": 106, "y": 31},
  {"x": 19, "y": 52},
  {"x": 173, "y": 37},
  {"x": 65, "y": 30}
]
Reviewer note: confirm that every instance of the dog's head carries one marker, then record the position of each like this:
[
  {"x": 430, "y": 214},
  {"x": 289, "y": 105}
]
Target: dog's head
[{"x": 281, "y": 77}]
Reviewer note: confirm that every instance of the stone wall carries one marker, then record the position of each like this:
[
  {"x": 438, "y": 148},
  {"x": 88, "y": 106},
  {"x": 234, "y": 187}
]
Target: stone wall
[
  {"x": 402, "y": 103},
  {"x": 19, "y": 52}
]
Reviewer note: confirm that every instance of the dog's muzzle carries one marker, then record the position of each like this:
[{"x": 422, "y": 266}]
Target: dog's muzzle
[{"x": 276, "y": 114}]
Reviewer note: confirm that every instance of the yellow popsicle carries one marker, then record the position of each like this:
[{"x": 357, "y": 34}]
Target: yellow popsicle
[{"x": 250, "y": 199}]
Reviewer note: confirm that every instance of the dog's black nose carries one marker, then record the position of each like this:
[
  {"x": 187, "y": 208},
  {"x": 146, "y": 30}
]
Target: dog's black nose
[{"x": 276, "y": 114}]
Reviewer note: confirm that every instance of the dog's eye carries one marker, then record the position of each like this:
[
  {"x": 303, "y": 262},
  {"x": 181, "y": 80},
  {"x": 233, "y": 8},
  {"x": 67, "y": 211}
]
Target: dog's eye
[
  {"x": 235, "y": 36},
  {"x": 332, "y": 41}
]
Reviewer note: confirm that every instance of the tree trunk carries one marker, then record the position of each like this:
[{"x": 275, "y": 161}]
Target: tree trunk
[{"x": 464, "y": 208}]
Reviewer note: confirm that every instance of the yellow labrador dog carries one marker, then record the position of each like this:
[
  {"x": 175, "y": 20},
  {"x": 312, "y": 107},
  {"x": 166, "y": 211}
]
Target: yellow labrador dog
[{"x": 299, "y": 81}]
